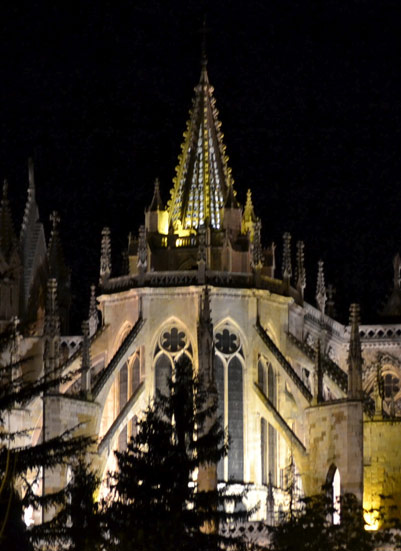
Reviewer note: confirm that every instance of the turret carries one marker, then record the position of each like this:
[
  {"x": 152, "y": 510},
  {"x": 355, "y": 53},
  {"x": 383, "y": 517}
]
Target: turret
[{"x": 156, "y": 216}]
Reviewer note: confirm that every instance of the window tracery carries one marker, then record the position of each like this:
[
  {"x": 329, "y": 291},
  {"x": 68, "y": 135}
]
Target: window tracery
[{"x": 171, "y": 343}]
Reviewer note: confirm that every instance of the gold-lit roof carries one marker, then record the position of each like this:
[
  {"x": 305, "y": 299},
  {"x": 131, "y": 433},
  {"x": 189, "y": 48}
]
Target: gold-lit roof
[{"x": 202, "y": 176}]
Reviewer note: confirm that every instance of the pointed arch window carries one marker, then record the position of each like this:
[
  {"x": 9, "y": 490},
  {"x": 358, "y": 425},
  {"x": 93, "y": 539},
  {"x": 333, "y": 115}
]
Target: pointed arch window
[
  {"x": 334, "y": 489},
  {"x": 229, "y": 382},
  {"x": 267, "y": 382}
]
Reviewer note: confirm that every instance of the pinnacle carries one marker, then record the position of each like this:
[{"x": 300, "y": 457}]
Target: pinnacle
[{"x": 157, "y": 203}]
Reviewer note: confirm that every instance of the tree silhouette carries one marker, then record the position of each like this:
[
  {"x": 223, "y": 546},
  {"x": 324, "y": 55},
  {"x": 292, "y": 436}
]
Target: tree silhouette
[{"x": 158, "y": 501}]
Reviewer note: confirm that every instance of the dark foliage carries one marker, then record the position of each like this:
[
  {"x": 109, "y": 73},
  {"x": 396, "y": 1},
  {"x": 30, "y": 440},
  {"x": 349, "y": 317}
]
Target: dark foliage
[
  {"x": 22, "y": 465},
  {"x": 311, "y": 528}
]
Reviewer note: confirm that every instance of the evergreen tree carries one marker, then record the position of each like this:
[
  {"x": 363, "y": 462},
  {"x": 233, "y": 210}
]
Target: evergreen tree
[
  {"x": 156, "y": 500},
  {"x": 81, "y": 519},
  {"x": 21, "y": 465}
]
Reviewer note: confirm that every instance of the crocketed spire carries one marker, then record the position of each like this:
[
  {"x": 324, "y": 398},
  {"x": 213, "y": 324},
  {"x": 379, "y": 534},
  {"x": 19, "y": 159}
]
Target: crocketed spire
[{"x": 203, "y": 177}]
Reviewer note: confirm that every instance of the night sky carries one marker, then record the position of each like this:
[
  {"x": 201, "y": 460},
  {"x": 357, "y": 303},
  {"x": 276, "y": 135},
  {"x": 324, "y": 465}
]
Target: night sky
[{"x": 309, "y": 95}]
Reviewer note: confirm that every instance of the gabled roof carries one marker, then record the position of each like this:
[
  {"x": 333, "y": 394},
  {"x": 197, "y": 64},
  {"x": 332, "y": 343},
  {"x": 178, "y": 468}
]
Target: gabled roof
[{"x": 202, "y": 177}]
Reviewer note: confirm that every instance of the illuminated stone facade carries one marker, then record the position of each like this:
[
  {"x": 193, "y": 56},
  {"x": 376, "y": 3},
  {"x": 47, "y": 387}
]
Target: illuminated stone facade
[{"x": 301, "y": 404}]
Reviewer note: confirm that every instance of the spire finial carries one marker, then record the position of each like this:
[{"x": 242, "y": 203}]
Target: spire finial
[
  {"x": 31, "y": 174},
  {"x": 54, "y": 219},
  {"x": 321, "y": 296},
  {"x": 354, "y": 356},
  {"x": 287, "y": 268},
  {"x": 105, "y": 255},
  {"x": 318, "y": 380},
  {"x": 301, "y": 273},
  {"x": 257, "y": 253},
  {"x": 93, "y": 314}
]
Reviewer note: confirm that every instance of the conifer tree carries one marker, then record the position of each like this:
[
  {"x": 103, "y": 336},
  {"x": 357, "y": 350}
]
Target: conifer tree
[
  {"x": 21, "y": 465},
  {"x": 157, "y": 502}
]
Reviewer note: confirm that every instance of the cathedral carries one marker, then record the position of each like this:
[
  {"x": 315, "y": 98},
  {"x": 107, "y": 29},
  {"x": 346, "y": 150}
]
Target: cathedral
[{"x": 308, "y": 402}]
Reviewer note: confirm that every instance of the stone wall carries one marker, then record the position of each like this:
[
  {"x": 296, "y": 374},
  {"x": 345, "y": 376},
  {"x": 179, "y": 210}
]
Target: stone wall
[{"x": 334, "y": 439}]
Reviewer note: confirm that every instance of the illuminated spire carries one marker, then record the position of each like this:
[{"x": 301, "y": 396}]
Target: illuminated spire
[{"x": 203, "y": 177}]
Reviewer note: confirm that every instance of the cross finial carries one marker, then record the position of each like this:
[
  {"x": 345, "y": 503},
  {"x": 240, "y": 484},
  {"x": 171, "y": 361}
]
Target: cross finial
[{"x": 54, "y": 219}]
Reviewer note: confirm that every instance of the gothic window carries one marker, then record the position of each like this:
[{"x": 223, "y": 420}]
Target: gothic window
[
  {"x": 219, "y": 371},
  {"x": 135, "y": 374},
  {"x": 262, "y": 376},
  {"x": 235, "y": 420},
  {"x": 229, "y": 381},
  {"x": 268, "y": 434},
  {"x": 263, "y": 449},
  {"x": 272, "y": 435},
  {"x": 171, "y": 344},
  {"x": 268, "y": 452},
  {"x": 271, "y": 385},
  {"x": 123, "y": 387}
]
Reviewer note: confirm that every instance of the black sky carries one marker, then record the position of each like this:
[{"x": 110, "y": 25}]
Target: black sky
[{"x": 309, "y": 97}]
